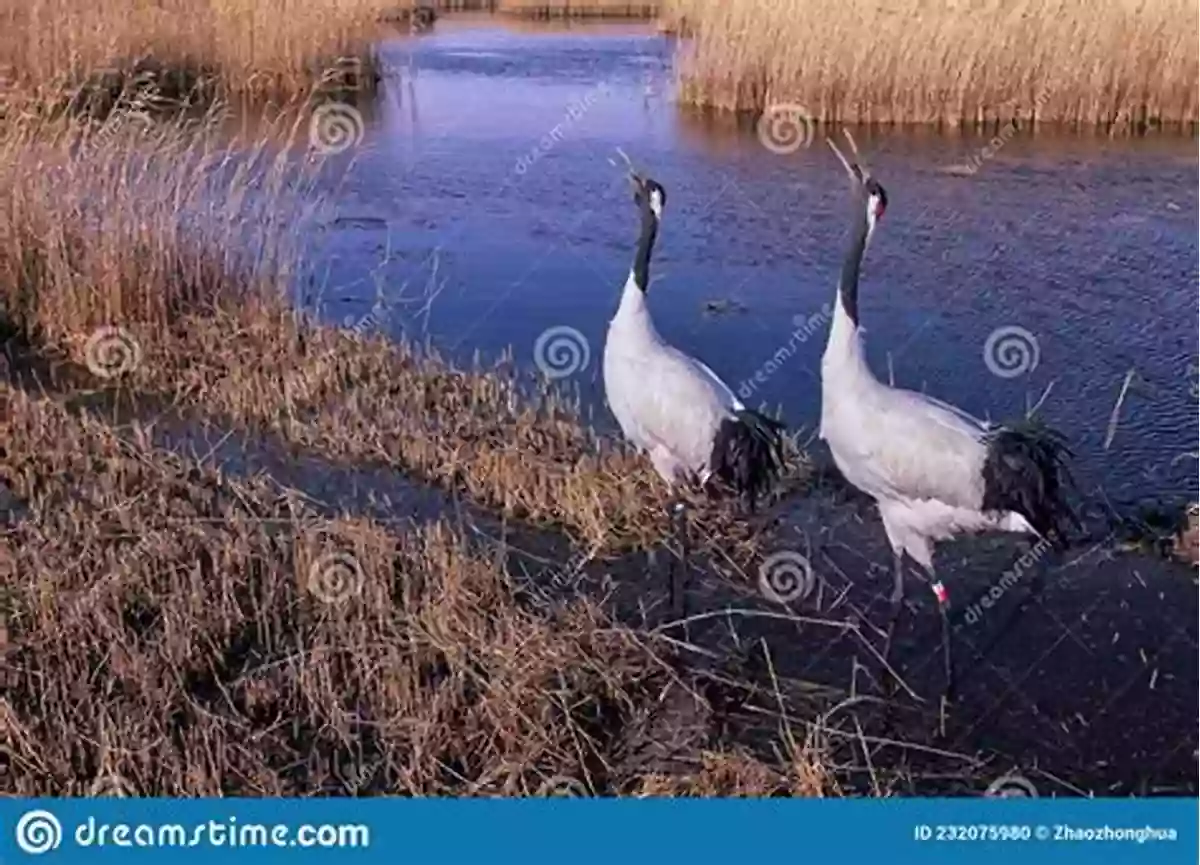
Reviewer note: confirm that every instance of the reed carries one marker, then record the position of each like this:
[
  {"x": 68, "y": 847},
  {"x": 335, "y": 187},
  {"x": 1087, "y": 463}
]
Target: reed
[
  {"x": 136, "y": 222},
  {"x": 1126, "y": 65},
  {"x": 272, "y": 48}
]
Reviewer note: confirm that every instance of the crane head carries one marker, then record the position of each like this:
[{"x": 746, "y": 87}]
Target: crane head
[
  {"x": 648, "y": 193},
  {"x": 863, "y": 182},
  {"x": 876, "y": 201}
]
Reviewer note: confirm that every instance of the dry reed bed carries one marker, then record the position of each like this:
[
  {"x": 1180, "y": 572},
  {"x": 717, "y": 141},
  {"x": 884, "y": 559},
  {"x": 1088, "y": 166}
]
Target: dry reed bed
[
  {"x": 261, "y": 48},
  {"x": 171, "y": 631},
  {"x": 133, "y": 222},
  {"x": 951, "y": 62}
]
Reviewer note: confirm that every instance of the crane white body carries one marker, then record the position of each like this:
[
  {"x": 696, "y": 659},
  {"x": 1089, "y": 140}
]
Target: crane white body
[
  {"x": 921, "y": 459},
  {"x": 668, "y": 404}
]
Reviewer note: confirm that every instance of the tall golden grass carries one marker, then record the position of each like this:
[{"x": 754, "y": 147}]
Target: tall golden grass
[
  {"x": 136, "y": 223},
  {"x": 1126, "y": 64},
  {"x": 261, "y": 47}
]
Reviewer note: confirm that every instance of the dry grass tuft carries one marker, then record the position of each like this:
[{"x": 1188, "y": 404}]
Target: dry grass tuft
[
  {"x": 178, "y": 632},
  {"x": 737, "y": 774},
  {"x": 969, "y": 63}
]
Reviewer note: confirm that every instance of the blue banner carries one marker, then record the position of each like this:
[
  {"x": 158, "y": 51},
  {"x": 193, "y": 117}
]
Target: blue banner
[{"x": 605, "y": 832}]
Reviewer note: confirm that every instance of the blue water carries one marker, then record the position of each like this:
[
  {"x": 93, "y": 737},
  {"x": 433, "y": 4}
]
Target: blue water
[{"x": 483, "y": 206}]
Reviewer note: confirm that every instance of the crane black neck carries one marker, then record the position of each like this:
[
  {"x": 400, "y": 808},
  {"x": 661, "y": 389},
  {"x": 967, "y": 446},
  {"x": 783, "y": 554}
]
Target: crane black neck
[
  {"x": 848, "y": 283},
  {"x": 645, "y": 245}
]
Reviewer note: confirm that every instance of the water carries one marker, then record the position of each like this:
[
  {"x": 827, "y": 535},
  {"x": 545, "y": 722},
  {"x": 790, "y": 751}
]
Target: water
[{"x": 482, "y": 208}]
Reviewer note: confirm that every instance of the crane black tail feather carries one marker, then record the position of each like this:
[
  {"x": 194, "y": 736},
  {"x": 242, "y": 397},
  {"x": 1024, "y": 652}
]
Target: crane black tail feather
[
  {"x": 747, "y": 453},
  {"x": 1026, "y": 471}
]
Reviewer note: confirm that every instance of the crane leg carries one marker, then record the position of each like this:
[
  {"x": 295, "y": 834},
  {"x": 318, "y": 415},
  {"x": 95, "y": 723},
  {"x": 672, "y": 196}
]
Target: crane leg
[
  {"x": 677, "y": 513},
  {"x": 947, "y": 660},
  {"x": 897, "y": 605},
  {"x": 896, "y": 601}
]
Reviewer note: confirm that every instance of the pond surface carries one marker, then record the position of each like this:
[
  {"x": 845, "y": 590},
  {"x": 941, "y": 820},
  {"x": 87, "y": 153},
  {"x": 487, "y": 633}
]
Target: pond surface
[{"x": 484, "y": 206}]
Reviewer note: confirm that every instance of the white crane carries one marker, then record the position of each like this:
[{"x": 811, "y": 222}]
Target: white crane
[
  {"x": 934, "y": 470},
  {"x": 673, "y": 407}
]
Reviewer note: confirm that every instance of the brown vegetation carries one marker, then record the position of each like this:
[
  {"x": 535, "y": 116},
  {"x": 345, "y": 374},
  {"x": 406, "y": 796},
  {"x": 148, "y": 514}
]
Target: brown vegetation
[
  {"x": 167, "y": 630},
  {"x": 950, "y": 62},
  {"x": 255, "y": 47}
]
